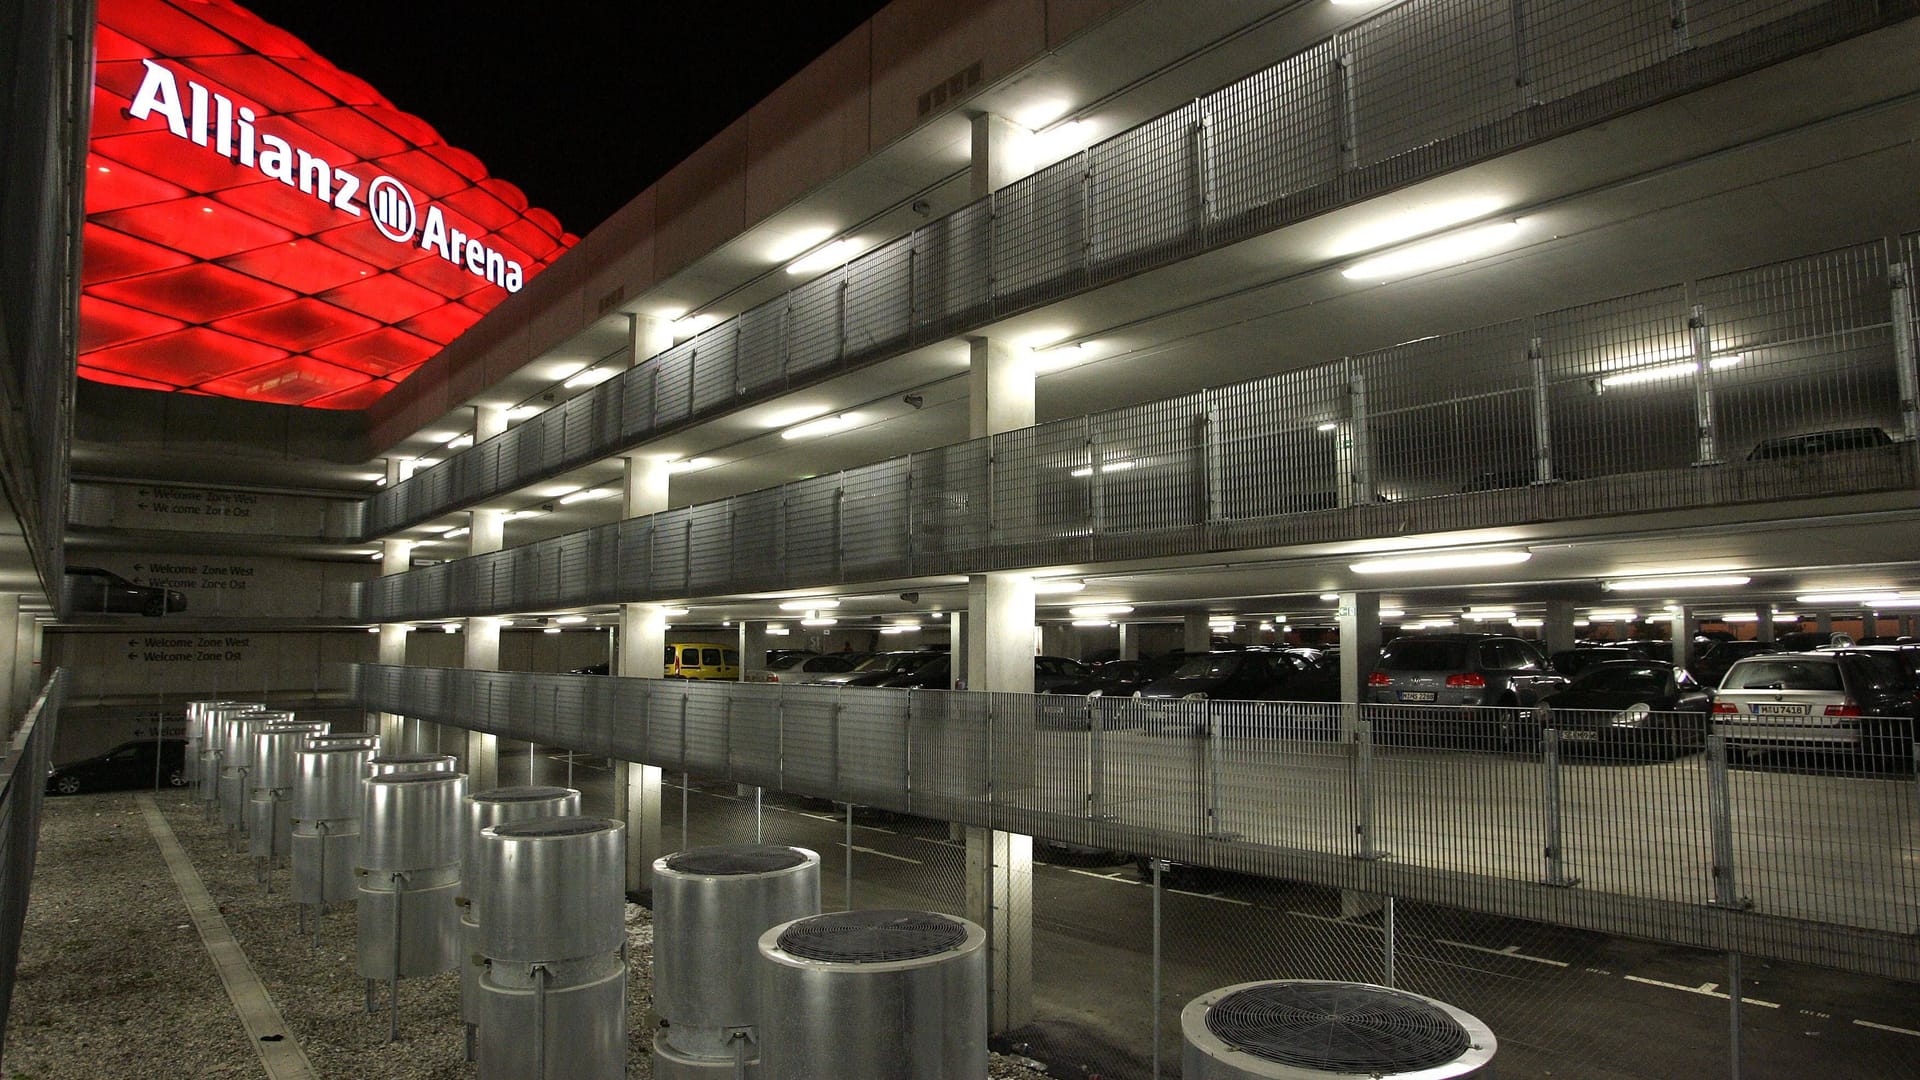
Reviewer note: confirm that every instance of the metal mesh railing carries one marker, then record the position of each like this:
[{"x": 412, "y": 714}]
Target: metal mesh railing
[
  {"x": 1788, "y": 380},
  {"x": 1419, "y": 88},
  {"x": 23, "y": 784},
  {"x": 1641, "y": 826}
]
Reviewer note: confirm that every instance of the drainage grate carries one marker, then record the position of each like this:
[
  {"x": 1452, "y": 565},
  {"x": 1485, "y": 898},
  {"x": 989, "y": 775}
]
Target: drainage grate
[
  {"x": 553, "y": 826},
  {"x": 523, "y": 794},
  {"x": 871, "y": 937},
  {"x": 729, "y": 859},
  {"x": 1338, "y": 1027}
]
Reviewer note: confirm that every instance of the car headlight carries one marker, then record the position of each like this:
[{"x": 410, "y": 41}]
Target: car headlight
[
  {"x": 1095, "y": 693},
  {"x": 1137, "y": 695},
  {"x": 1197, "y": 695},
  {"x": 1633, "y": 716}
]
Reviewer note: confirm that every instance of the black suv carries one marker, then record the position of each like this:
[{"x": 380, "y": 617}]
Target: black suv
[{"x": 1461, "y": 669}]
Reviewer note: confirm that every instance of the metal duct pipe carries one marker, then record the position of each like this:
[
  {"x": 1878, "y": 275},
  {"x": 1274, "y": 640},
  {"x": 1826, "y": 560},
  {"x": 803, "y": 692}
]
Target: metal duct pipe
[
  {"x": 326, "y": 821},
  {"x": 553, "y": 935},
  {"x": 833, "y": 974},
  {"x": 710, "y": 906},
  {"x": 486, "y": 809}
]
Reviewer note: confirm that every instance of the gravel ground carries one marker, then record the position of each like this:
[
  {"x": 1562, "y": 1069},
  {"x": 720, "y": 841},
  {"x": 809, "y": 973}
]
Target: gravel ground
[{"x": 113, "y": 980}]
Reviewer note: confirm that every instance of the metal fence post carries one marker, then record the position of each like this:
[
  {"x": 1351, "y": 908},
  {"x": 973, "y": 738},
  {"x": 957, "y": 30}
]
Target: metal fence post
[
  {"x": 1707, "y": 450},
  {"x": 1210, "y": 746},
  {"x": 1363, "y": 791},
  {"x": 1096, "y": 764},
  {"x": 1903, "y": 354},
  {"x": 1388, "y": 943},
  {"x": 1720, "y": 820},
  {"x": 1158, "y": 867},
  {"x": 1555, "y": 846},
  {"x": 849, "y": 870},
  {"x": 1733, "y": 1016}
]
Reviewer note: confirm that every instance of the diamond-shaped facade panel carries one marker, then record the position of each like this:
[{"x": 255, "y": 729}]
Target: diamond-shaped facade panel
[{"x": 264, "y": 225}]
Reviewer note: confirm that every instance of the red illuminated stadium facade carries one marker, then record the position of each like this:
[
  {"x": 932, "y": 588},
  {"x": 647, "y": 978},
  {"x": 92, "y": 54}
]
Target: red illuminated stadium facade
[{"x": 263, "y": 225}]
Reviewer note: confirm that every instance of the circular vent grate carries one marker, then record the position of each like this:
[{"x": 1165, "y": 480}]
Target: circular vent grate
[
  {"x": 523, "y": 794},
  {"x": 871, "y": 937},
  {"x": 553, "y": 826},
  {"x": 1337, "y": 1027},
  {"x": 734, "y": 859}
]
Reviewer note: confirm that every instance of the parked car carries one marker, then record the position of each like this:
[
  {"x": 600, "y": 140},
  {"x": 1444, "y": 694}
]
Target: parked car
[
  {"x": 935, "y": 674},
  {"x": 129, "y": 765},
  {"x": 1841, "y": 699},
  {"x": 808, "y": 667},
  {"x": 880, "y": 667},
  {"x": 1052, "y": 671},
  {"x": 1630, "y": 705},
  {"x": 1576, "y": 662},
  {"x": 1247, "y": 675},
  {"x": 1819, "y": 442},
  {"x": 1710, "y": 667},
  {"x": 91, "y": 589},
  {"x": 702, "y": 660},
  {"x": 1505, "y": 675},
  {"x": 1117, "y": 678}
]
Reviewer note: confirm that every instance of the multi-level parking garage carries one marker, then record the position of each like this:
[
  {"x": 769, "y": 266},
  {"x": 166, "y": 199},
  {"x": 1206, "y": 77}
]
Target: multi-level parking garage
[{"x": 1282, "y": 322}]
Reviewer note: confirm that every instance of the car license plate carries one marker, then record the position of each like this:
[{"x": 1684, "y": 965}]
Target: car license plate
[
  {"x": 1416, "y": 695},
  {"x": 1579, "y": 736},
  {"x": 1779, "y": 710}
]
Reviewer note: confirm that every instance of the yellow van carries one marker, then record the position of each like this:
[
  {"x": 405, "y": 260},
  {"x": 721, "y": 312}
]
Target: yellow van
[{"x": 702, "y": 660}]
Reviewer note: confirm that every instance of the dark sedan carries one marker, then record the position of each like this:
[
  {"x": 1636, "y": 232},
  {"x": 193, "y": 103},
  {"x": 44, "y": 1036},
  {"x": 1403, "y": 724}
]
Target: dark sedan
[
  {"x": 129, "y": 765},
  {"x": 1643, "y": 706},
  {"x": 1249, "y": 675},
  {"x": 91, "y": 589}
]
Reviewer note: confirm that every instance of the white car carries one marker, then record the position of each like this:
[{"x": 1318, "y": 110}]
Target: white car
[{"x": 800, "y": 668}]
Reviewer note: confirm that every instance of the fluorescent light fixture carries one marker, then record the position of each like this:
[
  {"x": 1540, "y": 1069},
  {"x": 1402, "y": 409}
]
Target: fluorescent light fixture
[
  {"x": 1055, "y": 586},
  {"x": 1490, "y": 616},
  {"x": 812, "y": 603},
  {"x": 818, "y": 622},
  {"x": 461, "y": 442},
  {"x": 531, "y": 511},
  {"x": 521, "y": 412},
  {"x": 568, "y": 619},
  {"x": 455, "y": 534},
  {"x": 1060, "y": 357},
  {"x": 913, "y": 624},
  {"x": 549, "y": 629},
  {"x": 588, "y": 495},
  {"x": 373, "y": 629},
  {"x": 451, "y": 628},
  {"x": 1092, "y": 611},
  {"x": 1663, "y": 584},
  {"x": 378, "y": 555},
  {"x": 1091, "y": 622},
  {"x": 592, "y": 376},
  {"x": 898, "y": 629},
  {"x": 778, "y": 631},
  {"x": 1329, "y": 596},
  {"x": 1522, "y": 623},
  {"x": 799, "y": 242},
  {"x": 1433, "y": 254},
  {"x": 1269, "y": 626},
  {"x": 1613, "y": 614},
  {"x": 692, "y": 324},
  {"x": 1449, "y": 560},
  {"x": 1330, "y": 425},
  {"x": 691, "y": 464},
  {"x": 1407, "y": 225},
  {"x": 1868, "y": 595},
  {"x": 1582, "y": 622},
  {"x": 825, "y": 257},
  {"x": 826, "y": 425},
  {"x": 1391, "y": 613},
  {"x": 1659, "y": 618},
  {"x": 1668, "y": 371},
  {"x": 380, "y": 482},
  {"x": 1105, "y": 467}
]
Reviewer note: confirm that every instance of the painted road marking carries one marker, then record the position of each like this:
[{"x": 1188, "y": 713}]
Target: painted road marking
[
  {"x": 1704, "y": 990},
  {"x": 1213, "y": 896},
  {"x": 886, "y": 854},
  {"x": 937, "y": 840},
  {"x": 1888, "y": 1027},
  {"x": 1337, "y": 921},
  {"x": 1101, "y": 876},
  {"x": 1511, "y": 950}
]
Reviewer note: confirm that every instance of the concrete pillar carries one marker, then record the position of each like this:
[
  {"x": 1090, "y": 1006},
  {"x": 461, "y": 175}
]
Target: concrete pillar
[
  {"x": 1059, "y": 639},
  {"x": 957, "y": 646},
  {"x": 1763, "y": 629},
  {"x": 1680, "y": 632},
  {"x": 1869, "y": 625},
  {"x": 999, "y": 630},
  {"x": 636, "y": 787},
  {"x": 26, "y": 663},
  {"x": 1359, "y": 619},
  {"x": 1129, "y": 643},
  {"x": 480, "y": 758},
  {"x": 753, "y": 649},
  {"x": 488, "y": 421},
  {"x": 1558, "y": 631},
  {"x": 1823, "y": 623},
  {"x": 997, "y": 160},
  {"x": 646, "y": 484},
  {"x": 648, "y": 336},
  {"x": 999, "y": 387},
  {"x": 393, "y": 651},
  {"x": 12, "y": 688},
  {"x": 486, "y": 531},
  {"x": 1196, "y": 632}
]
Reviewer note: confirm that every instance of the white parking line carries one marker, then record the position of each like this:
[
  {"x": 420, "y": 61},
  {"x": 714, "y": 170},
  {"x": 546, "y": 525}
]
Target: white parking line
[
  {"x": 1704, "y": 990},
  {"x": 937, "y": 840},
  {"x": 1888, "y": 1027},
  {"x": 886, "y": 855},
  {"x": 1337, "y": 921},
  {"x": 1213, "y": 896},
  {"x": 1121, "y": 878},
  {"x": 1511, "y": 950}
]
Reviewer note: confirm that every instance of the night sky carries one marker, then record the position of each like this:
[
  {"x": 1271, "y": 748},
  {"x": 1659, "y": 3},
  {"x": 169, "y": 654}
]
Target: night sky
[{"x": 582, "y": 103}]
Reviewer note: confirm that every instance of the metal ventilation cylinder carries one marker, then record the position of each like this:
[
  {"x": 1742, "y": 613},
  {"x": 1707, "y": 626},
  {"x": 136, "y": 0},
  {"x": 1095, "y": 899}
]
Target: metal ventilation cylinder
[
  {"x": 236, "y": 764},
  {"x": 832, "y": 974},
  {"x": 1300, "y": 1029},
  {"x": 410, "y": 872},
  {"x": 485, "y": 809},
  {"x": 327, "y": 792},
  {"x": 710, "y": 906},
  {"x": 270, "y": 787},
  {"x": 359, "y": 740},
  {"x": 214, "y": 719},
  {"x": 382, "y": 764},
  {"x": 553, "y": 995}
]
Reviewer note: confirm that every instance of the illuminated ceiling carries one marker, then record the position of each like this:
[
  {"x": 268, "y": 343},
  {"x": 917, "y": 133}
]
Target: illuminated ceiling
[{"x": 263, "y": 225}]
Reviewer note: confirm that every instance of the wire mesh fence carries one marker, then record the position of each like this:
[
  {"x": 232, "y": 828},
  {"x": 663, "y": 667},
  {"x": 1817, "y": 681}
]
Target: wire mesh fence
[
  {"x": 23, "y": 782},
  {"x": 1781, "y": 381},
  {"x": 1411, "y": 91}
]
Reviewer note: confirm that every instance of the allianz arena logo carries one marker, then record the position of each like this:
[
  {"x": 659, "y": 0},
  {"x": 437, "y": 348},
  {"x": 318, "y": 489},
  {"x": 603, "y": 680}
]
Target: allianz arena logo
[{"x": 213, "y": 121}]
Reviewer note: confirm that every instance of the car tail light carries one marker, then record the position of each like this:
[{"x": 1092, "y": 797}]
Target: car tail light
[
  {"x": 1379, "y": 678},
  {"x": 1471, "y": 678},
  {"x": 773, "y": 678},
  {"x": 1725, "y": 707},
  {"x": 1849, "y": 709}
]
